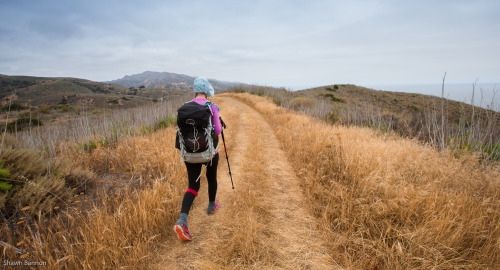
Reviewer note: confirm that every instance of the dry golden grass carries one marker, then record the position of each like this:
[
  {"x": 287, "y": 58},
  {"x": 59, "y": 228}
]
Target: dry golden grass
[
  {"x": 30, "y": 180},
  {"x": 465, "y": 128},
  {"x": 389, "y": 203},
  {"x": 372, "y": 201},
  {"x": 123, "y": 229}
]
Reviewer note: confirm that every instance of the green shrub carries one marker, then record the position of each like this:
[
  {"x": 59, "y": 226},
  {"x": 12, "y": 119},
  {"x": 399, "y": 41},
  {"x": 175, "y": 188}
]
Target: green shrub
[
  {"x": 239, "y": 91},
  {"x": 492, "y": 152},
  {"x": 334, "y": 89},
  {"x": 460, "y": 145},
  {"x": 13, "y": 107},
  {"x": 333, "y": 98},
  {"x": 23, "y": 123},
  {"x": 4, "y": 178},
  {"x": 277, "y": 101},
  {"x": 413, "y": 107},
  {"x": 63, "y": 107},
  {"x": 4, "y": 173},
  {"x": 166, "y": 122},
  {"x": 4, "y": 185},
  {"x": 146, "y": 130},
  {"x": 89, "y": 146},
  {"x": 332, "y": 118}
]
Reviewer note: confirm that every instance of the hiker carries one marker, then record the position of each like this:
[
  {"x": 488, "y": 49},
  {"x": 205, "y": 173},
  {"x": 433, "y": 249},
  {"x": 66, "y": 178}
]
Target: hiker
[{"x": 193, "y": 158}]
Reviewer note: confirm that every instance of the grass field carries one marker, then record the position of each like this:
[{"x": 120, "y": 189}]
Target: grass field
[
  {"x": 308, "y": 194},
  {"x": 391, "y": 203},
  {"x": 438, "y": 122}
]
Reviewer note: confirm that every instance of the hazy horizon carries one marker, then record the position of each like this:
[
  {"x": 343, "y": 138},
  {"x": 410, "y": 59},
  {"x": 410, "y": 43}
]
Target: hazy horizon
[{"x": 484, "y": 93}]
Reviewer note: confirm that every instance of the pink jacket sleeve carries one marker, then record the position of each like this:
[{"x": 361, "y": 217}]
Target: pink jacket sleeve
[{"x": 215, "y": 119}]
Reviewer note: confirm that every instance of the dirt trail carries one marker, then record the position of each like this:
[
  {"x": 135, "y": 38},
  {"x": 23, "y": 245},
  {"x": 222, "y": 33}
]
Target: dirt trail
[{"x": 264, "y": 222}]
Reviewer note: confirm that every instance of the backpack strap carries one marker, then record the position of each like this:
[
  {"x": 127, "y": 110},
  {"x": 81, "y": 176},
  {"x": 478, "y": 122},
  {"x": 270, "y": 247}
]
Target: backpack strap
[{"x": 210, "y": 103}]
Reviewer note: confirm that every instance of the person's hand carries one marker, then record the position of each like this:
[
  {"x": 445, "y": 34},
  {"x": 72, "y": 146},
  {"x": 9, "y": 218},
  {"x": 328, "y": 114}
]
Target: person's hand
[{"x": 222, "y": 122}]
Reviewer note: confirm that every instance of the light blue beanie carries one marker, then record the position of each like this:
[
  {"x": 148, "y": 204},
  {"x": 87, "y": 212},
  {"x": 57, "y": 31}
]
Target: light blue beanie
[{"x": 201, "y": 85}]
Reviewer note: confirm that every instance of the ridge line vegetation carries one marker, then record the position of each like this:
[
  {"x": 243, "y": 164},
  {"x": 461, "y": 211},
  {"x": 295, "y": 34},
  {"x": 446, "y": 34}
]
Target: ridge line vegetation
[{"x": 462, "y": 128}]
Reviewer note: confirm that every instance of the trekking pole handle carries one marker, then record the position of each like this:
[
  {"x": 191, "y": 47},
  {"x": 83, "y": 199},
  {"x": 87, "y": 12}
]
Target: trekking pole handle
[{"x": 222, "y": 123}]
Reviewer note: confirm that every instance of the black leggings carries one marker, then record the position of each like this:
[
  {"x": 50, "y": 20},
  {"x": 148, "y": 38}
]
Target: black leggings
[{"x": 194, "y": 170}]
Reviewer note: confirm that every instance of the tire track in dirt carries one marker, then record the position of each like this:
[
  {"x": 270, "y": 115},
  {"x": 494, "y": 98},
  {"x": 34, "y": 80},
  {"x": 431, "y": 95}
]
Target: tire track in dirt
[
  {"x": 264, "y": 222},
  {"x": 295, "y": 234}
]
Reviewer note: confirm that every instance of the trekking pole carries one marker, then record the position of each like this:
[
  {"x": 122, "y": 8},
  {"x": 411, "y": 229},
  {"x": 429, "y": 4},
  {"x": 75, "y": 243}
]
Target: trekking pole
[{"x": 225, "y": 150}]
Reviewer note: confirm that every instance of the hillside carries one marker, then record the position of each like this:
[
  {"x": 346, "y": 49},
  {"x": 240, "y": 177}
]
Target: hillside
[
  {"x": 427, "y": 118},
  {"x": 40, "y": 91},
  {"x": 150, "y": 79},
  {"x": 55, "y": 99},
  {"x": 334, "y": 100},
  {"x": 404, "y": 106},
  {"x": 35, "y": 91}
]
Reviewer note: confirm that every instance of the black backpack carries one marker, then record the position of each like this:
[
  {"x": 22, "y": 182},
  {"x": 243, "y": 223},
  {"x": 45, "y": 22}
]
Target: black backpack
[{"x": 195, "y": 133}]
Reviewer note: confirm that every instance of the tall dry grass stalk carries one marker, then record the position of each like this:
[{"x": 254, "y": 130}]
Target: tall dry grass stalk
[
  {"x": 64, "y": 206},
  {"x": 390, "y": 203},
  {"x": 90, "y": 128},
  {"x": 477, "y": 130},
  {"x": 122, "y": 229}
]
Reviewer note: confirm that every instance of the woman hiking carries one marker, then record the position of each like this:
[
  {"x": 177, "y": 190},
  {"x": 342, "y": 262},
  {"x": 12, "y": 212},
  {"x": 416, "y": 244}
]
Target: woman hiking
[{"x": 202, "y": 90}]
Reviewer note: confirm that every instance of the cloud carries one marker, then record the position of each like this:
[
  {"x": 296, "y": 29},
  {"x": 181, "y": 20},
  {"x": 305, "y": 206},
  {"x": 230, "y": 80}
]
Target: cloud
[
  {"x": 269, "y": 42},
  {"x": 56, "y": 28}
]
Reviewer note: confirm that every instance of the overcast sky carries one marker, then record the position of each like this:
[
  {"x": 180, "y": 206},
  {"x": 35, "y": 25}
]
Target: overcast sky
[{"x": 278, "y": 43}]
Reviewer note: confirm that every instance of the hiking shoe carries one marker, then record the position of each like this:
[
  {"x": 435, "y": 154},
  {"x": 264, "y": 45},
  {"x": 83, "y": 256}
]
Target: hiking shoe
[
  {"x": 211, "y": 208},
  {"x": 182, "y": 231}
]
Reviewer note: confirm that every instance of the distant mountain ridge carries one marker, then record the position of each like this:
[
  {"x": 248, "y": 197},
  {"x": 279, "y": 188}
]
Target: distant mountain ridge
[
  {"x": 37, "y": 92},
  {"x": 152, "y": 79}
]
